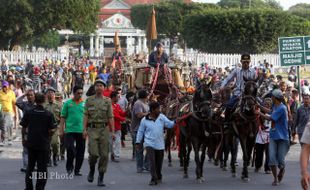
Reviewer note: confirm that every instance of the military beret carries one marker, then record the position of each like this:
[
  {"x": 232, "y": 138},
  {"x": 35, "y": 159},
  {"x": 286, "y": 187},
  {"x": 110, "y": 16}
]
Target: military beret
[{"x": 100, "y": 81}]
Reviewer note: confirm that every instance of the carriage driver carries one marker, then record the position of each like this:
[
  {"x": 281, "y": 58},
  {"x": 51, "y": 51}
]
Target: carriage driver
[
  {"x": 158, "y": 56},
  {"x": 238, "y": 74}
]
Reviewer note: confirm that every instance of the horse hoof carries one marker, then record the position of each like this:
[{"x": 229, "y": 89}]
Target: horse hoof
[
  {"x": 170, "y": 165},
  {"x": 234, "y": 175},
  {"x": 185, "y": 176}
]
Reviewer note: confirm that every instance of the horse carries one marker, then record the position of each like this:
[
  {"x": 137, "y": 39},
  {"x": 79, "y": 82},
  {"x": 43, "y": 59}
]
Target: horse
[
  {"x": 244, "y": 125},
  {"x": 216, "y": 123},
  {"x": 196, "y": 132}
]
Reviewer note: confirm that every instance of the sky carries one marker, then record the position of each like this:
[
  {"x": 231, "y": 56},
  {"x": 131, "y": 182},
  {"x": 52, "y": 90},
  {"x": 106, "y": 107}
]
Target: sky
[{"x": 286, "y": 4}]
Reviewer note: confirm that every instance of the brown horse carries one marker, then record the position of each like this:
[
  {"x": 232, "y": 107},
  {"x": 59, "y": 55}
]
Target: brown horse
[
  {"x": 197, "y": 130},
  {"x": 244, "y": 125}
]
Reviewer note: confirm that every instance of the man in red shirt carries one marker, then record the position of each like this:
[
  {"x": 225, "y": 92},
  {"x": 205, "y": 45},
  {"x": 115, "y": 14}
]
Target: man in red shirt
[
  {"x": 107, "y": 90},
  {"x": 119, "y": 117}
]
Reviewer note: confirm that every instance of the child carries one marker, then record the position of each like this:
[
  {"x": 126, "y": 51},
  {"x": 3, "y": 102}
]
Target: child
[{"x": 262, "y": 141}]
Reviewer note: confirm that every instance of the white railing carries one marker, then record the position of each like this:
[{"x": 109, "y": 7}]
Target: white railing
[
  {"x": 230, "y": 60},
  {"x": 36, "y": 57}
]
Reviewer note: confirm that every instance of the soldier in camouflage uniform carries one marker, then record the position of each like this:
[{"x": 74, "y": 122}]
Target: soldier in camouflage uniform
[
  {"x": 59, "y": 99},
  {"x": 55, "y": 108},
  {"x": 67, "y": 78},
  {"x": 98, "y": 121}
]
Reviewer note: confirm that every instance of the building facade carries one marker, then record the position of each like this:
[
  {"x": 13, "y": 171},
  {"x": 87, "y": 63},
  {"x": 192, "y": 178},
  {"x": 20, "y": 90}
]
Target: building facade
[{"x": 115, "y": 16}]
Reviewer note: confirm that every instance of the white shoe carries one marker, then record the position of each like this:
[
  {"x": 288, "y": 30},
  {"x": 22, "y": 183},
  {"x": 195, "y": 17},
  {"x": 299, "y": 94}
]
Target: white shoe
[
  {"x": 1, "y": 144},
  {"x": 10, "y": 143}
]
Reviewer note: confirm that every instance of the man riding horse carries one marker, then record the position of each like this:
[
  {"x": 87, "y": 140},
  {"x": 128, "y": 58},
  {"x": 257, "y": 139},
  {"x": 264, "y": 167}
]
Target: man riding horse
[{"x": 238, "y": 74}]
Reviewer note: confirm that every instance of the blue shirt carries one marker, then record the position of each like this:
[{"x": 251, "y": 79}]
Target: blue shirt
[
  {"x": 238, "y": 74},
  {"x": 280, "y": 122},
  {"x": 152, "y": 132},
  {"x": 104, "y": 77}
]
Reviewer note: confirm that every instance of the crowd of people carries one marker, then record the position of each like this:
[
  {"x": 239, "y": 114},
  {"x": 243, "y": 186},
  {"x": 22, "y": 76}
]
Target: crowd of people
[{"x": 32, "y": 96}]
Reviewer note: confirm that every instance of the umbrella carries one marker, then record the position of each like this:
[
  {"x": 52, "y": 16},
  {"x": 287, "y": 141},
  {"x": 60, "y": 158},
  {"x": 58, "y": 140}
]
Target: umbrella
[
  {"x": 151, "y": 27},
  {"x": 116, "y": 40}
]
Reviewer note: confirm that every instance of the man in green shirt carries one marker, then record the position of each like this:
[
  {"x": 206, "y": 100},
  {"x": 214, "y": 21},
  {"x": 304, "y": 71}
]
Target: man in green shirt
[{"x": 71, "y": 126}]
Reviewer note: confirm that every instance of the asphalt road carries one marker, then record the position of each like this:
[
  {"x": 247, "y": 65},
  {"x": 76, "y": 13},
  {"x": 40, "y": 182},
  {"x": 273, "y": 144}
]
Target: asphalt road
[{"x": 123, "y": 175}]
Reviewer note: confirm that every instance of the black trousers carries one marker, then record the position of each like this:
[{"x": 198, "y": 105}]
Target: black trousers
[
  {"x": 39, "y": 158},
  {"x": 75, "y": 146},
  {"x": 62, "y": 146},
  {"x": 262, "y": 149},
  {"x": 156, "y": 158}
]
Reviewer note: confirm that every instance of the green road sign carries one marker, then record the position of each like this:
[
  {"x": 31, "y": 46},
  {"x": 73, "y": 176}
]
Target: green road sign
[{"x": 294, "y": 51}]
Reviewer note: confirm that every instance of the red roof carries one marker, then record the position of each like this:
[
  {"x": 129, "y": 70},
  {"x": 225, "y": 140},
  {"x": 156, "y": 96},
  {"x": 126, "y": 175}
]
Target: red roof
[{"x": 106, "y": 13}]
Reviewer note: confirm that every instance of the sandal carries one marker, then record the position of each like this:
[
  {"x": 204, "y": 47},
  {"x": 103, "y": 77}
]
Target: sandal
[{"x": 281, "y": 174}]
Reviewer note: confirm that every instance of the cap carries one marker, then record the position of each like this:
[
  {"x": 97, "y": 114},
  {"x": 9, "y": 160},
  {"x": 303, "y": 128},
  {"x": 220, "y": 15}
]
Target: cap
[
  {"x": 50, "y": 89},
  {"x": 159, "y": 44},
  {"x": 100, "y": 81},
  {"x": 5, "y": 83},
  {"x": 245, "y": 56},
  {"x": 277, "y": 94}
]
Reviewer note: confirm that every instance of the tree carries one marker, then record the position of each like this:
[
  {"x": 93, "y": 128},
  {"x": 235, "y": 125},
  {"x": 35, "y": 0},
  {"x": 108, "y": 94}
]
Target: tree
[
  {"x": 49, "y": 40},
  {"x": 169, "y": 16},
  {"x": 22, "y": 20},
  {"x": 250, "y": 4},
  {"x": 301, "y": 10},
  {"x": 237, "y": 31}
]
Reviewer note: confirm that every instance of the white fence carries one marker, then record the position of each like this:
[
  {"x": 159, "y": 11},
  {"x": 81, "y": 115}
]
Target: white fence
[
  {"x": 36, "y": 57},
  {"x": 230, "y": 60}
]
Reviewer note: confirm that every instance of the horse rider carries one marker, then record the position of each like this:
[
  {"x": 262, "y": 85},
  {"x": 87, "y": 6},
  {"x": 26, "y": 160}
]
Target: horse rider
[{"x": 238, "y": 74}]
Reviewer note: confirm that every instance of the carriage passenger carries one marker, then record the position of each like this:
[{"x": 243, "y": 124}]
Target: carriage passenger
[{"x": 159, "y": 56}]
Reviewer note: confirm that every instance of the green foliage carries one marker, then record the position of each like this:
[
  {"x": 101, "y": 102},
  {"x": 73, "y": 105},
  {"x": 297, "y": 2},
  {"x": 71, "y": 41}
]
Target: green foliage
[
  {"x": 301, "y": 10},
  {"x": 50, "y": 40},
  {"x": 22, "y": 20},
  {"x": 237, "y": 31},
  {"x": 169, "y": 15},
  {"x": 253, "y": 4}
]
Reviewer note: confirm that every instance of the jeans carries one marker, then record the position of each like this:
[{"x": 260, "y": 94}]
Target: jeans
[
  {"x": 277, "y": 152},
  {"x": 142, "y": 162},
  {"x": 232, "y": 102}
]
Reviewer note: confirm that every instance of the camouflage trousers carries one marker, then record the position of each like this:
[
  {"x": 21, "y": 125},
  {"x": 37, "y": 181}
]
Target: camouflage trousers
[
  {"x": 55, "y": 143},
  {"x": 98, "y": 147}
]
